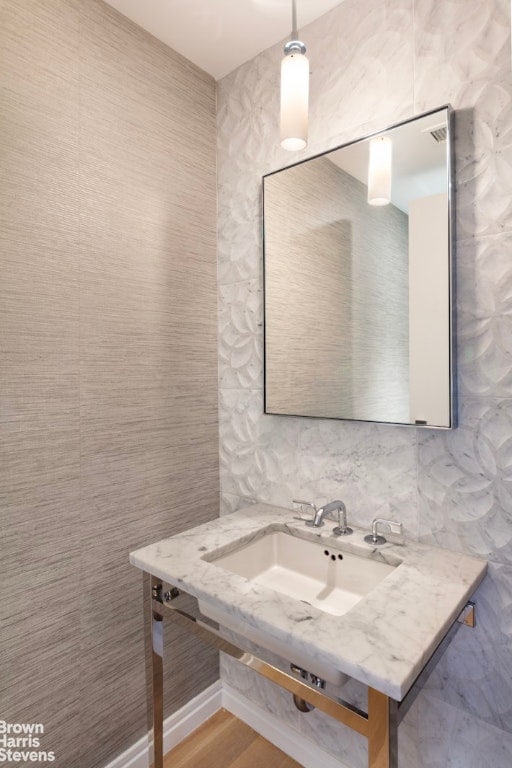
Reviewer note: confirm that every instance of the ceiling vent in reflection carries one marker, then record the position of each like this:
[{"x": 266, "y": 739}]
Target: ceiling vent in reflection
[{"x": 438, "y": 132}]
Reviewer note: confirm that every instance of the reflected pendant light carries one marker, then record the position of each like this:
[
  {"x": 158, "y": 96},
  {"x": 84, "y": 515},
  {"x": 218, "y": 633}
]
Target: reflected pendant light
[
  {"x": 294, "y": 91},
  {"x": 379, "y": 171}
]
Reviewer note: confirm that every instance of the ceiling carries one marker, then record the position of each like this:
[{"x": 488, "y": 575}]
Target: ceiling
[{"x": 219, "y": 35}]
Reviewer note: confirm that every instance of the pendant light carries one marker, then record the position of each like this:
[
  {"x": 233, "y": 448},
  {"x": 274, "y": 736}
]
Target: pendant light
[
  {"x": 294, "y": 91},
  {"x": 379, "y": 171}
]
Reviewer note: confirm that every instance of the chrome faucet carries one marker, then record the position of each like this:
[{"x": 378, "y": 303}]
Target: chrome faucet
[
  {"x": 342, "y": 529},
  {"x": 375, "y": 538}
]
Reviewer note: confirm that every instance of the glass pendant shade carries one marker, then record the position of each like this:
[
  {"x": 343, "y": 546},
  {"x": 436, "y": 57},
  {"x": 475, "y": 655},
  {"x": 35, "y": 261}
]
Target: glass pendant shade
[
  {"x": 379, "y": 171},
  {"x": 294, "y": 101}
]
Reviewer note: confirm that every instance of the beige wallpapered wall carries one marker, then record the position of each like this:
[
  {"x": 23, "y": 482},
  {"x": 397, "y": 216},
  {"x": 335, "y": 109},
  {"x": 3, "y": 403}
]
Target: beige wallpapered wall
[{"x": 108, "y": 374}]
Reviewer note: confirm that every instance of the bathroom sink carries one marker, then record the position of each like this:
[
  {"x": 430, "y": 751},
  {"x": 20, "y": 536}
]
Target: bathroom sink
[
  {"x": 266, "y": 580},
  {"x": 314, "y": 573}
]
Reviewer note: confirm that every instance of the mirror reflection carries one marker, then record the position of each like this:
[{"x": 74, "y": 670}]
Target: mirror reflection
[{"x": 357, "y": 279}]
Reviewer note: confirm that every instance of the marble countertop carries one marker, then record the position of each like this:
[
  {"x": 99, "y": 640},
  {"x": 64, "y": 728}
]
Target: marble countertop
[{"x": 384, "y": 641}]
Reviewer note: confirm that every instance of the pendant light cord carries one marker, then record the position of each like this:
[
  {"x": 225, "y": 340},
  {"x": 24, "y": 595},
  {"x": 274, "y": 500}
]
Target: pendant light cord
[{"x": 295, "y": 34}]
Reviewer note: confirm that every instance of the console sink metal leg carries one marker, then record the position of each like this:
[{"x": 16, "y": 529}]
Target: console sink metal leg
[
  {"x": 378, "y": 724},
  {"x": 382, "y": 730},
  {"x": 157, "y": 675}
]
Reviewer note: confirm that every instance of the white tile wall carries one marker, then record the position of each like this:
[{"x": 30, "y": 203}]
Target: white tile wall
[{"x": 372, "y": 64}]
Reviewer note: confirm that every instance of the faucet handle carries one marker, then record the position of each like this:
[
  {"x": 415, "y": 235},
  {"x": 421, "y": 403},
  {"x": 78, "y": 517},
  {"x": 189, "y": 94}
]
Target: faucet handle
[
  {"x": 375, "y": 538},
  {"x": 304, "y": 504}
]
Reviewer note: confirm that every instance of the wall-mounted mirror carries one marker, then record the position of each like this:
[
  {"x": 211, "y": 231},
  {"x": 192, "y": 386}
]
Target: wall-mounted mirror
[{"x": 357, "y": 256}]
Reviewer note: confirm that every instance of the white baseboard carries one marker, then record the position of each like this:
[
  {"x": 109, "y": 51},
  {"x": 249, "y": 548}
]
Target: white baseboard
[
  {"x": 176, "y": 728},
  {"x": 179, "y": 725},
  {"x": 283, "y": 736}
]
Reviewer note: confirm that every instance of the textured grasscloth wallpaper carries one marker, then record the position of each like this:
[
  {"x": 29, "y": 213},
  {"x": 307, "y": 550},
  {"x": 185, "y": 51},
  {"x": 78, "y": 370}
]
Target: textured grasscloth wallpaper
[
  {"x": 108, "y": 374},
  {"x": 373, "y": 64}
]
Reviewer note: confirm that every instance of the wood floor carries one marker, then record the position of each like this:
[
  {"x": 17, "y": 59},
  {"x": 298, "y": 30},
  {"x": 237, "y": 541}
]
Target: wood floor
[{"x": 225, "y": 742}]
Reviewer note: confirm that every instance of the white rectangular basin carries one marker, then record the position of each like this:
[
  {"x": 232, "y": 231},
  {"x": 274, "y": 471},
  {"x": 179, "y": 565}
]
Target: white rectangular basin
[
  {"x": 382, "y": 641},
  {"x": 322, "y": 576}
]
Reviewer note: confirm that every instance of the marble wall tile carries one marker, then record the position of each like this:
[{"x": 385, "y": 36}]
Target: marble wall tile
[
  {"x": 257, "y": 456},
  {"x": 375, "y": 476},
  {"x": 241, "y": 335},
  {"x": 485, "y": 355},
  {"x": 240, "y": 232},
  {"x": 437, "y": 735},
  {"x": 470, "y": 68},
  {"x": 229, "y": 502},
  {"x": 484, "y": 313},
  {"x": 452, "y": 488},
  {"x": 476, "y": 50},
  {"x": 349, "y": 48},
  {"x": 484, "y": 280},
  {"x": 278, "y": 458},
  {"x": 464, "y": 481},
  {"x": 473, "y": 673}
]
